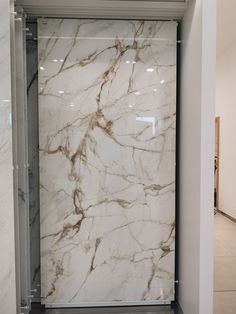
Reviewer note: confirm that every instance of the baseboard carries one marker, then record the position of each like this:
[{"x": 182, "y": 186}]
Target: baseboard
[{"x": 226, "y": 215}]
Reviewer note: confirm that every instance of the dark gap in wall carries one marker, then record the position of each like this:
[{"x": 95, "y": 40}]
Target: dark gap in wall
[
  {"x": 177, "y": 173},
  {"x": 33, "y": 142}
]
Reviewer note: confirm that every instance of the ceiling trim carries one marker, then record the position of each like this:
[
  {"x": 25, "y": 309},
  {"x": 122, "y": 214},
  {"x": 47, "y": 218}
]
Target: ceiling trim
[{"x": 105, "y": 8}]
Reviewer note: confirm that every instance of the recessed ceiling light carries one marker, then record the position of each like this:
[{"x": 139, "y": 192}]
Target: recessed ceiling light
[
  {"x": 133, "y": 62},
  {"x": 55, "y": 60},
  {"x": 61, "y": 60},
  {"x": 150, "y": 70},
  {"x": 42, "y": 68},
  {"x": 127, "y": 61},
  {"x": 162, "y": 81},
  {"x": 155, "y": 90},
  {"x": 61, "y": 92},
  {"x": 130, "y": 106},
  {"x": 137, "y": 93}
]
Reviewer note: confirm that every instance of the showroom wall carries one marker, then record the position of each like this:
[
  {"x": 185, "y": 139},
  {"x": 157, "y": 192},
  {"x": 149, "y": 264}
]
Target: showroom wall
[
  {"x": 226, "y": 110},
  {"x": 196, "y": 157}
]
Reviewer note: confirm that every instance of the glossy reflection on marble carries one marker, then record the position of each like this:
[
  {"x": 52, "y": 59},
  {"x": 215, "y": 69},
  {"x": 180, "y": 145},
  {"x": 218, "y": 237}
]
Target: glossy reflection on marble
[{"x": 107, "y": 115}]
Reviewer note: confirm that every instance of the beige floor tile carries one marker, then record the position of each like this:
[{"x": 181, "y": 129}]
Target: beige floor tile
[
  {"x": 230, "y": 244},
  {"x": 228, "y": 241},
  {"x": 222, "y": 223},
  {"x": 224, "y": 236},
  {"x": 225, "y": 302},
  {"x": 224, "y": 265},
  {"x": 224, "y": 273},
  {"x": 220, "y": 249}
]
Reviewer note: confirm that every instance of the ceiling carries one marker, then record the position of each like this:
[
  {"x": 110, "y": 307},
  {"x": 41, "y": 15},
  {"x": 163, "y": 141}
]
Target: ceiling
[{"x": 226, "y": 24}]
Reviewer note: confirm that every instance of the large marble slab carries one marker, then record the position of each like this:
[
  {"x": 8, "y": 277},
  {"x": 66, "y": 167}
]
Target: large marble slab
[
  {"x": 107, "y": 129},
  {"x": 7, "y": 241}
]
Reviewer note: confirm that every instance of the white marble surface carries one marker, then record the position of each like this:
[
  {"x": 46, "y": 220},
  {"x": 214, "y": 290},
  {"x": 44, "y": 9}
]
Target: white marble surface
[
  {"x": 107, "y": 114},
  {"x": 7, "y": 255}
]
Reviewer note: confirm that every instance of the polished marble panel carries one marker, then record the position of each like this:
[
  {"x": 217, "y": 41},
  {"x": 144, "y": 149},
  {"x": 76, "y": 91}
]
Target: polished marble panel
[
  {"x": 7, "y": 243},
  {"x": 107, "y": 115}
]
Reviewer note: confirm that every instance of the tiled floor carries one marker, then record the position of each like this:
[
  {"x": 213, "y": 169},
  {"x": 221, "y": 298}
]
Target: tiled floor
[
  {"x": 224, "y": 266},
  {"x": 121, "y": 310}
]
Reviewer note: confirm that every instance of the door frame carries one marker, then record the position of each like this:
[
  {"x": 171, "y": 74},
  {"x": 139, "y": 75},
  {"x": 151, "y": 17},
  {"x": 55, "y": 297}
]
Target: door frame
[{"x": 217, "y": 160}]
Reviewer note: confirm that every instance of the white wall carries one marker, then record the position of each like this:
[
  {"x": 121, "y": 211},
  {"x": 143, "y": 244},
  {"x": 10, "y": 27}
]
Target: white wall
[
  {"x": 226, "y": 110},
  {"x": 197, "y": 158},
  {"x": 7, "y": 251}
]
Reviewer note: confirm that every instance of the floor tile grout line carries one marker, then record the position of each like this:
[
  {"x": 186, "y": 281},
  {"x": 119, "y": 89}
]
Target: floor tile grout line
[{"x": 224, "y": 290}]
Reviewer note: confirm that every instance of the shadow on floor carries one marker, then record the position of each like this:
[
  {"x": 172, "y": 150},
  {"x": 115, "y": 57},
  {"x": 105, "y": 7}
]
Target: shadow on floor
[{"x": 112, "y": 310}]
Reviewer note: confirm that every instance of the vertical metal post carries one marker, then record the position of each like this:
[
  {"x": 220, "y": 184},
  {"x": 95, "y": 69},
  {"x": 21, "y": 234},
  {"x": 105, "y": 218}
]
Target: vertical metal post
[{"x": 20, "y": 149}]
